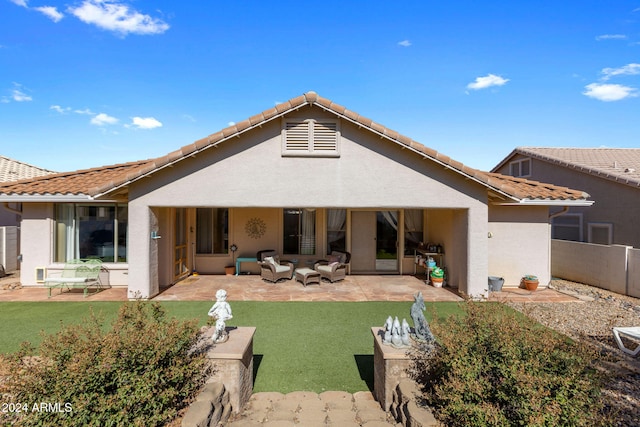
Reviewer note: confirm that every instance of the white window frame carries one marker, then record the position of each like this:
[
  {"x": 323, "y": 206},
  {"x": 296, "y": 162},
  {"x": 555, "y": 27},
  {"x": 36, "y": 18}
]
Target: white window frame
[
  {"x": 606, "y": 225},
  {"x": 519, "y": 163},
  {"x": 311, "y": 138}
]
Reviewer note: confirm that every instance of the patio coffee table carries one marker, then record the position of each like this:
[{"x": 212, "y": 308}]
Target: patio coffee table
[{"x": 307, "y": 276}]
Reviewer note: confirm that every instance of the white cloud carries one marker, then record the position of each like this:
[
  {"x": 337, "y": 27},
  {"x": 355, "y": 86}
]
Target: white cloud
[
  {"x": 404, "y": 43},
  {"x": 487, "y": 81},
  {"x": 103, "y": 119},
  {"x": 609, "y": 92},
  {"x": 115, "y": 16},
  {"x": 59, "y": 109},
  {"x": 51, "y": 12},
  {"x": 20, "y": 96},
  {"x": 145, "y": 123},
  {"x": 627, "y": 70},
  {"x": 86, "y": 111},
  {"x": 17, "y": 94},
  {"x": 611, "y": 37},
  {"x": 22, "y": 3}
]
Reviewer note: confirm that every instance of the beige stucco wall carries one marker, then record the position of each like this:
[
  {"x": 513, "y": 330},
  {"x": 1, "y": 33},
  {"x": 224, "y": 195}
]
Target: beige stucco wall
[
  {"x": 615, "y": 203},
  {"x": 249, "y": 172},
  {"x": 519, "y": 243},
  {"x": 36, "y": 247},
  {"x": 36, "y": 234}
]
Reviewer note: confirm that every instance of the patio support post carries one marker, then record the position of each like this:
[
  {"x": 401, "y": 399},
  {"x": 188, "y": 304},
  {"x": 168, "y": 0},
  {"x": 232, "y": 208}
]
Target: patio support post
[
  {"x": 143, "y": 250},
  {"x": 477, "y": 251}
]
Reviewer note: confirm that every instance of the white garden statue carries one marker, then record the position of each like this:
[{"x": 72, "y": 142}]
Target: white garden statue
[{"x": 221, "y": 312}]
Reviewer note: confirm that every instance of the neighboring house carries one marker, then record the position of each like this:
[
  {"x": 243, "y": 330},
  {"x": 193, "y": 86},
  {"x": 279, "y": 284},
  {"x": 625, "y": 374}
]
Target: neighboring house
[
  {"x": 13, "y": 170},
  {"x": 303, "y": 178},
  {"x": 611, "y": 176}
]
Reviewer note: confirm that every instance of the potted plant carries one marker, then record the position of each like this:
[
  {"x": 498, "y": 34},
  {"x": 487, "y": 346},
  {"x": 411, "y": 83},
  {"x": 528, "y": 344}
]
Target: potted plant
[
  {"x": 530, "y": 282},
  {"x": 437, "y": 277}
]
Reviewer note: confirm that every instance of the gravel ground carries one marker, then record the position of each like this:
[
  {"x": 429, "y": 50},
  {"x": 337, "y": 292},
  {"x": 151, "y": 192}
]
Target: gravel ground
[{"x": 590, "y": 319}]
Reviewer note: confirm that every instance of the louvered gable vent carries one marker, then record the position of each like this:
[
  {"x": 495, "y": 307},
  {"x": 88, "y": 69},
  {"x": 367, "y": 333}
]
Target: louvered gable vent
[{"x": 311, "y": 138}]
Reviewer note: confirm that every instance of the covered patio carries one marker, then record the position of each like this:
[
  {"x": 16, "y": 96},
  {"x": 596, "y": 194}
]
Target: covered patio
[{"x": 253, "y": 288}]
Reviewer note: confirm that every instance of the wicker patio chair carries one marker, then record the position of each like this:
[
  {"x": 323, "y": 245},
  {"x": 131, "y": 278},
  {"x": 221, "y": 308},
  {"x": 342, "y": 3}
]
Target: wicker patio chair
[
  {"x": 334, "y": 268},
  {"x": 272, "y": 268}
]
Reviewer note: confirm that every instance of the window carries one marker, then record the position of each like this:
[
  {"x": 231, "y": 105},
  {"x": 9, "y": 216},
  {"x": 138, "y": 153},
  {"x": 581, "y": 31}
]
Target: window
[
  {"x": 299, "y": 231},
  {"x": 336, "y": 230},
  {"x": 520, "y": 168},
  {"x": 311, "y": 138},
  {"x": 413, "y": 230},
  {"x": 91, "y": 231},
  {"x": 567, "y": 227},
  {"x": 600, "y": 233},
  {"x": 212, "y": 231}
]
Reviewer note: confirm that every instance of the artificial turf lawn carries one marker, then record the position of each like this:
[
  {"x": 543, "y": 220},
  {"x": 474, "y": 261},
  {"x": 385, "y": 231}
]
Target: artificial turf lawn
[{"x": 313, "y": 346}]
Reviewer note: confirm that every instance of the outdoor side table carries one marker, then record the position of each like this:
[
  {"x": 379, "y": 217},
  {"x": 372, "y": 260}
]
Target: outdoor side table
[
  {"x": 241, "y": 260},
  {"x": 307, "y": 276}
]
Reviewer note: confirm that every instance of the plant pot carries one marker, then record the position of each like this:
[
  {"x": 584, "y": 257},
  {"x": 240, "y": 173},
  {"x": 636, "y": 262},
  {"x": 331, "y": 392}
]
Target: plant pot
[
  {"x": 530, "y": 285},
  {"x": 495, "y": 283},
  {"x": 437, "y": 282},
  {"x": 230, "y": 270}
]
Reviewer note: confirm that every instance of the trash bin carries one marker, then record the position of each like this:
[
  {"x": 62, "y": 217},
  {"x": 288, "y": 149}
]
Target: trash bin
[{"x": 495, "y": 283}]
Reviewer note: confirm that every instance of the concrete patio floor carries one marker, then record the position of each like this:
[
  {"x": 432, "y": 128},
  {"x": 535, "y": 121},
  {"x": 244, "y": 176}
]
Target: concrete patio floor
[{"x": 253, "y": 288}]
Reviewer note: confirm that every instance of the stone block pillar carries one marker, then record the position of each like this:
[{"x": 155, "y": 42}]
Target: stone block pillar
[
  {"x": 232, "y": 362},
  {"x": 390, "y": 365}
]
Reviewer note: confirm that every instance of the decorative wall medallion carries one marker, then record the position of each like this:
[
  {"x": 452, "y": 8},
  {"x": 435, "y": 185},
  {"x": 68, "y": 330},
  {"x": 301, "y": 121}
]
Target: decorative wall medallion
[{"x": 255, "y": 228}]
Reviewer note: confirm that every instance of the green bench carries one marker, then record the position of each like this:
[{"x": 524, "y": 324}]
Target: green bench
[{"x": 77, "y": 273}]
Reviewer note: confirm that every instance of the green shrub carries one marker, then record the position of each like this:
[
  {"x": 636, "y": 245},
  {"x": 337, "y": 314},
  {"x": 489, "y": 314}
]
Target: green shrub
[
  {"x": 495, "y": 367},
  {"x": 138, "y": 373}
]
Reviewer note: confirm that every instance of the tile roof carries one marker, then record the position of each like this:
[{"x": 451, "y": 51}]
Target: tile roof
[
  {"x": 534, "y": 190},
  {"x": 69, "y": 183},
  {"x": 13, "y": 170},
  {"x": 616, "y": 164},
  {"x": 99, "y": 182}
]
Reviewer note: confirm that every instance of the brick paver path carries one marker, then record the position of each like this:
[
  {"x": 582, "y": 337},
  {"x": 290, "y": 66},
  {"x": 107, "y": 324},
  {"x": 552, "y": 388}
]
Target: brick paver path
[{"x": 303, "y": 408}]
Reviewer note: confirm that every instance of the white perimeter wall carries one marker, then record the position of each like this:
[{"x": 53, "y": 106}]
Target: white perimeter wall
[
  {"x": 614, "y": 267},
  {"x": 9, "y": 248}
]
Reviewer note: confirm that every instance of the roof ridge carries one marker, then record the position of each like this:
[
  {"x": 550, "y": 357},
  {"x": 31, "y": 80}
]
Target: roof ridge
[{"x": 101, "y": 184}]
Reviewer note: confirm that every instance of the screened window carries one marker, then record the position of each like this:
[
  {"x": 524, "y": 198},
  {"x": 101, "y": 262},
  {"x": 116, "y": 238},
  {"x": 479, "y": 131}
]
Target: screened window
[
  {"x": 520, "y": 168},
  {"x": 600, "y": 233},
  {"x": 91, "y": 231},
  {"x": 413, "y": 230},
  {"x": 336, "y": 230},
  {"x": 567, "y": 227},
  {"x": 212, "y": 231},
  {"x": 299, "y": 228}
]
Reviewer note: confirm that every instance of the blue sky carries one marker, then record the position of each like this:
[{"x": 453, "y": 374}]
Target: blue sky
[{"x": 86, "y": 83}]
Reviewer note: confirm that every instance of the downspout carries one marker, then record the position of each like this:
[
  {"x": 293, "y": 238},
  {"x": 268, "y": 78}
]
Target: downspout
[
  {"x": 564, "y": 210},
  {"x": 10, "y": 209}
]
